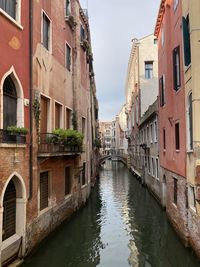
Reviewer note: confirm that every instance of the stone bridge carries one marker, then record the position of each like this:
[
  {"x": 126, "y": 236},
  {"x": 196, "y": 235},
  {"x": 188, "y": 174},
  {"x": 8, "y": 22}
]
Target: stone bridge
[{"x": 115, "y": 157}]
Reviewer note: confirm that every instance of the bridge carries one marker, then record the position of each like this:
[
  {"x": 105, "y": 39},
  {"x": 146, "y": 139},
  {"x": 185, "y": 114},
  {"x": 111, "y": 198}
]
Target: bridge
[{"x": 115, "y": 157}]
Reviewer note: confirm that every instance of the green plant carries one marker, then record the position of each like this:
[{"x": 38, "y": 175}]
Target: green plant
[
  {"x": 36, "y": 111},
  {"x": 74, "y": 138},
  {"x": 74, "y": 120},
  {"x": 17, "y": 130},
  {"x": 67, "y": 137},
  {"x": 97, "y": 142}
]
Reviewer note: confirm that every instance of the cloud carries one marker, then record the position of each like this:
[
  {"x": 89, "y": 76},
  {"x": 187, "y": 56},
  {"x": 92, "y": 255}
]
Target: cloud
[{"x": 113, "y": 25}]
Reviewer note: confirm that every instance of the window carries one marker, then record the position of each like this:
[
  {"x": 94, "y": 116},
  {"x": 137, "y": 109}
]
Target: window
[
  {"x": 82, "y": 34},
  {"x": 83, "y": 128},
  {"x": 155, "y": 131},
  {"x": 68, "y": 57},
  {"x": 176, "y": 68},
  {"x": 155, "y": 41},
  {"x": 68, "y": 118},
  {"x": 67, "y": 180},
  {"x": 58, "y": 115},
  {"x": 67, "y": 8},
  {"x": 83, "y": 173},
  {"x": 9, "y": 6},
  {"x": 186, "y": 40},
  {"x": 148, "y": 134},
  {"x": 162, "y": 90},
  {"x": 162, "y": 36},
  {"x": 152, "y": 133},
  {"x": 148, "y": 69},
  {"x": 9, "y": 211},
  {"x": 46, "y": 32},
  {"x": 157, "y": 168},
  {"x": 175, "y": 190},
  {"x": 44, "y": 190},
  {"x": 44, "y": 114},
  {"x": 9, "y": 103},
  {"x": 164, "y": 139},
  {"x": 177, "y": 136},
  {"x": 175, "y": 4},
  {"x": 191, "y": 197},
  {"x": 190, "y": 127},
  {"x": 153, "y": 167}
]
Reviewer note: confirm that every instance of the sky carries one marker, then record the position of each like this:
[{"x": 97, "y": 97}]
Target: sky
[{"x": 113, "y": 24}]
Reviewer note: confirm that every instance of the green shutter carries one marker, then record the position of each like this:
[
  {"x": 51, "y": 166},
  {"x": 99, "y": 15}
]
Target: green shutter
[{"x": 186, "y": 39}]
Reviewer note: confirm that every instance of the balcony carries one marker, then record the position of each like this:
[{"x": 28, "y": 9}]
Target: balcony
[
  {"x": 48, "y": 147},
  {"x": 7, "y": 137}
]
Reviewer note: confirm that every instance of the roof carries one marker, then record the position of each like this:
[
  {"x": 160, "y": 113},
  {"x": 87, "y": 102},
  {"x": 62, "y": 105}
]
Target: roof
[{"x": 159, "y": 17}]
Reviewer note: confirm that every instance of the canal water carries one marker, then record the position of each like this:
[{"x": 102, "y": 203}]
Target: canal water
[{"x": 120, "y": 226}]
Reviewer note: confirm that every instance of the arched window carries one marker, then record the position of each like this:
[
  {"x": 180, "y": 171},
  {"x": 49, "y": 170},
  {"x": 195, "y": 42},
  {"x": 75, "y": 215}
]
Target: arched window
[
  {"x": 190, "y": 127},
  {"x": 9, "y": 103},
  {"x": 9, "y": 211}
]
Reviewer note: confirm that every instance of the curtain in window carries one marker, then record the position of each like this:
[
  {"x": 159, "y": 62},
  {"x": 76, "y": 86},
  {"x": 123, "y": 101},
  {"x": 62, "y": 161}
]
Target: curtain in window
[{"x": 9, "y": 6}]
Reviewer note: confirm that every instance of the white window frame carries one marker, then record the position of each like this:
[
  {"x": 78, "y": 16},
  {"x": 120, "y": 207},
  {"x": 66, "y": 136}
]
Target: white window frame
[
  {"x": 50, "y": 32},
  {"x": 152, "y": 133},
  {"x": 71, "y": 126},
  {"x": 191, "y": 197},
  {"x": 162, "y": 36},
  {"x": 157, "y": 168},
  {"x": 176, "y": 2},
  {"x": 70, "y": 67},
  {"x": 49, "y": 112},
  {"x": 16, "y": 21},
  {"x": 155, "y": 131},
  {"x": 62, "y": 115}
]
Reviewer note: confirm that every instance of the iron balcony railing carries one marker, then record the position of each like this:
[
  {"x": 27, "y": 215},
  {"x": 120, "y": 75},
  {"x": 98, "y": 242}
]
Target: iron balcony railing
[
  {"x": 7, "y": 137},
  {"x": 48, "y": 143}
]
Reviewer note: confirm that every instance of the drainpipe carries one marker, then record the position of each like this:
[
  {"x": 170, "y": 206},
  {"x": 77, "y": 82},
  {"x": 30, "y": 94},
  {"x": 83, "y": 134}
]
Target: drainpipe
[{"x": 30, "y": 96}]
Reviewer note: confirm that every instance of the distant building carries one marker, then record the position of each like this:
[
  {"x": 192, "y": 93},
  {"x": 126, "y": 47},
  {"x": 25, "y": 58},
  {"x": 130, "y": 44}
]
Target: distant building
[
  {"x": 141, "y": 92},
  {"x": 105, "y": 131}
]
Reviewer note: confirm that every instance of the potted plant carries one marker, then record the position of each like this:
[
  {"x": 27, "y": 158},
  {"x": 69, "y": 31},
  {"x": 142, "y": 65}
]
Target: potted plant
[{"x": 17, "y": 134}]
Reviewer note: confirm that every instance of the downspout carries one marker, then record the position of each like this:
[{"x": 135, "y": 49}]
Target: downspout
[{"x": 30, "y": 96}]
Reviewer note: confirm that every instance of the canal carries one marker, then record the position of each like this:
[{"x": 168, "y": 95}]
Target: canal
[{"x": 121, "y": 225}]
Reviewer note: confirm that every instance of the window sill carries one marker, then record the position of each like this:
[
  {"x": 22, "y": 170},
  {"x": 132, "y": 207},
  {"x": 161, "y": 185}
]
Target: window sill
[
  {"x": 68, "y": 197},
  {"x": 175, "y": 205},
  {"x": 4, "y": 145},
  {"x": 12, "y": 239},
  {"x": 41, "y": 212},
  {"x": 83, "y": 186},
  {"x": 189, "y": 151},
  {"x": 177, "y": 150},
  {"x": 192, "y": 209},
  {"x": 13, "y": 21}
]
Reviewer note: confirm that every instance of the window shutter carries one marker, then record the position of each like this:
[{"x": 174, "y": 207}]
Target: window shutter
[
  {"x": 186, "y": 39},
  {"x": 174, "y": 69}
]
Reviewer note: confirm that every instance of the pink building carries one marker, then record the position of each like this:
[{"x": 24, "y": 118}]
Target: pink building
[{"x": 172, "y": 119}]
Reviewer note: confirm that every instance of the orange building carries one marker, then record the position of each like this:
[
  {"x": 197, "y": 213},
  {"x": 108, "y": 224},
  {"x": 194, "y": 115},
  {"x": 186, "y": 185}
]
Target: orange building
[{"x": 172, "y": 121}]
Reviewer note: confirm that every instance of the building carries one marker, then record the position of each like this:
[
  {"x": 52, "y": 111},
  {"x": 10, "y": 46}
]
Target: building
[
  {"x": 149, "y": 151},
  {"x": 191, "y": 36},
  {"x": 141, "y": 91},
  {"x": 105, "y": 130},
  {"x": 14, "y": 111},
  {"x": 48, "y": 90},
  {"x": 172, "y": 119}
]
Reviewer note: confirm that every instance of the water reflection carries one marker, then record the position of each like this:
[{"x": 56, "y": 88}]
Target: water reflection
[{"x": 122, "y": 225}]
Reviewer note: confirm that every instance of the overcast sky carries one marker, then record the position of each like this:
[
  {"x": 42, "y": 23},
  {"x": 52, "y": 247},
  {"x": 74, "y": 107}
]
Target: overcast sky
[{"x": 113, "y": 24}]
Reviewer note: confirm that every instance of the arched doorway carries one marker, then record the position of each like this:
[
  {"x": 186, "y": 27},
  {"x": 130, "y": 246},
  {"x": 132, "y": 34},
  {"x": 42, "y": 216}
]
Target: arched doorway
[
  {"x": 9, "y": 211},
  {"x": 13, "y": 218},
  {"x": 9, "y": 103}
]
